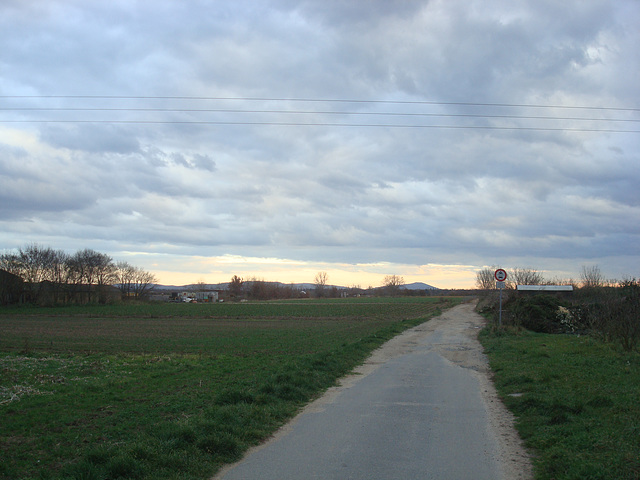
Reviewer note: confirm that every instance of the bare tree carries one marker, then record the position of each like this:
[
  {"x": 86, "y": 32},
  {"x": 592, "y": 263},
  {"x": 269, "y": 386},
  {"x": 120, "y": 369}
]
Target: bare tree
[
  {"x": 9, "y": 262},
  {"x": 34, "y": 262},
  {"x": 392, "y": 284},
  {"x": 43, "y": 270},
  {"x": 92, "y": 268},
  {"x": 125, "y": 274},
  {"x": 485, "y": 279},
  {"x": 143, "y": 283},
  {"x": 562, "y": 281},
  {"x": 235, "y": 286},
  {"x": 591, "y": 277},
  {"x": 134, "y": 282},
  {"x": 525, "y": 276},
  {"x": 321, "y": 283},
  {"x": 52, "y": 275},
  {"x": 36, "y": 265},
  {"x": 355, "y": 290}
]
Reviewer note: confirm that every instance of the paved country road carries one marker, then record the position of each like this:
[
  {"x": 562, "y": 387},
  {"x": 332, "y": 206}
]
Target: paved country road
[{"x": 421, "y": 407}]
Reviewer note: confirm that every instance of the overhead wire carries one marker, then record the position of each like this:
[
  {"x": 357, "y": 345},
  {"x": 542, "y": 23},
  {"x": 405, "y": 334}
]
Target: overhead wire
[
  {"x": 372, "y": 114},
  {"x": 328, "y": 100},
  {"x": 309, "y": 112}
]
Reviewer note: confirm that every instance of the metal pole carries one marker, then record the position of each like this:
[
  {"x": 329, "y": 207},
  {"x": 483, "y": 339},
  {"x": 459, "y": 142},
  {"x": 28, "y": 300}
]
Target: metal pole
[{"x": 500, "y": 314}]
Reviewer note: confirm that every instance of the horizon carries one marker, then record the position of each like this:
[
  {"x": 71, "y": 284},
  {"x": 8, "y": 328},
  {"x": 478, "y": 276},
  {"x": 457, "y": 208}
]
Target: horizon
[
  {"x": 308, "y": 284},
  {"x": 221, "y": 270},
  {"x": 442, "y": 277},
  {"x": 343, "y": 277}
]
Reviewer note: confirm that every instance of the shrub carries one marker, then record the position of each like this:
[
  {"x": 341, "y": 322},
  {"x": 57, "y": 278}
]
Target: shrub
[
  {"x": 538, "y": 313},
  {"x": 614, "y": 313},
  {"x": 546, "y": 313},
  {"x": 610, "y": 312},
  {"x": 569, "y": 319}
]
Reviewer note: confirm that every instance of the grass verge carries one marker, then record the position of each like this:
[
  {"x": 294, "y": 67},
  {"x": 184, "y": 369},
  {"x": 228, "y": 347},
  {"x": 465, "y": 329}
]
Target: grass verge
[
  {"x": 173, "y": 393},
  {"x": 576, "y": 400}
]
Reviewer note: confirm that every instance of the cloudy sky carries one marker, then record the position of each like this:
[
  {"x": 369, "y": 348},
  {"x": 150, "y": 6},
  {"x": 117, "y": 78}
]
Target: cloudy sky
[{"x": 281, "y": 138}]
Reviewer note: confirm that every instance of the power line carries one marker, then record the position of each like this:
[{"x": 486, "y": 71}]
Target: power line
[
  {"x": 310, "y": 112},
  {"x": 324, "y": 124},
  {"x": 328, "y": 100},
  {"x": 371, "y": 114}
]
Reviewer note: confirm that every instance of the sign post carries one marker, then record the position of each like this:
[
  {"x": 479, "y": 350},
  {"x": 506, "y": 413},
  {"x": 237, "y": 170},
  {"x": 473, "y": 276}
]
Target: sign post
[{"x": 500, "y": 276}]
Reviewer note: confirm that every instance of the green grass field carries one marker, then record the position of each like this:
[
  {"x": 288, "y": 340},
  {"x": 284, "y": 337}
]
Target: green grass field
[
  {"x": 173, "y": 391},
  {"x": 576, "y": 400}
]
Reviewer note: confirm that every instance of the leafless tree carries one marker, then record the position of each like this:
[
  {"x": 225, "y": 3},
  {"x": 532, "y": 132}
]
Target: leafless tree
[
  {"x": 257, "y": 288},
  {"x": 91, "y": 268},
  {"x": 134, "y": 282},
  {"x": 235, "y": 286},
  {"x": 53, "y": 275},
  {"x": 485, "y": 279},
  {"x": 561, "y": 281},
  {"x": 321, "y": 283},
  {"x": 355, "y": 290},
  {"x": 144, "y": 283},
  {"x": 125, "y": 274},
  {"x": 525, "y": 276},
  {"x": 9, "y": 263},
  {"x": 591, "y": 277},
  {"x": 392, "y": 284},
  {"x": 36, "y": 264}
]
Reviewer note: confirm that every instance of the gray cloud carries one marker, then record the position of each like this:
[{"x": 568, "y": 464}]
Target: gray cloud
[{"x": 203, "y": 173}]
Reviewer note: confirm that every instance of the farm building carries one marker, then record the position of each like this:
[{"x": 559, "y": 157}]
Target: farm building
[
  {"x": 204, "y": 296},
  {"x": 557, "y": 290},
  {"x": 11, "y": 288}
]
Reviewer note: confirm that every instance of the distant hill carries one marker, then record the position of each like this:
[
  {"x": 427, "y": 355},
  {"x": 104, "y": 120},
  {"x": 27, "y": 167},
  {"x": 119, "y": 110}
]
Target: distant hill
[
  {"x": 301, "y": 286},
  {"x": 418, "y": 286},
  {"x": 225, "y": 285}
]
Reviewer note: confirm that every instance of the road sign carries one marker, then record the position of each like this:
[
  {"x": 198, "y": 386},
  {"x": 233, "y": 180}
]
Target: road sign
[
  {"x": 500, "y": 275},
  {"x": 501, "y": 285}
]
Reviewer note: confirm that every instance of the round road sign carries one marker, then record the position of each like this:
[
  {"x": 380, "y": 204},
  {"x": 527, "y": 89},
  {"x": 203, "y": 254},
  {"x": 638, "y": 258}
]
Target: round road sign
[{"x": 501, "y": 275}]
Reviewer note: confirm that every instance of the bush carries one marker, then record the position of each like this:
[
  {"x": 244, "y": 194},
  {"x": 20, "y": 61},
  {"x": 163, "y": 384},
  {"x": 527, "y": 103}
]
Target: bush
[
  {"x": 611, "y": 312},
  {"x": 537, "y": 313},
  {"x": 614, "y": 313}
]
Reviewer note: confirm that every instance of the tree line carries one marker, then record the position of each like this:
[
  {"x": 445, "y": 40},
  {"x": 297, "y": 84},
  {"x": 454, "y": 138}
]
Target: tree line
[
  {"x": 590, "y": 277},
  {"x": 257, "y": 289},
  {"x": 54, "y": 276}
]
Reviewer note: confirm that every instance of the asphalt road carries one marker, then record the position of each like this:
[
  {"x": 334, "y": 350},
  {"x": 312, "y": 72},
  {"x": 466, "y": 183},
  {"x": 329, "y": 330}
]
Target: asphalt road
[{"x": 416, "y": 410}]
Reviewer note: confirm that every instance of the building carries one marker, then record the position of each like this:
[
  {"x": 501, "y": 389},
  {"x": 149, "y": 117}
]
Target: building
[{"x": 11, "y": 288}]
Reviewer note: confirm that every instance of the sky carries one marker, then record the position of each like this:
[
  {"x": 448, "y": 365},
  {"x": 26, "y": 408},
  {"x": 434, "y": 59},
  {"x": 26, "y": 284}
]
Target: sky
[{"x": 275, "y": 139}]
